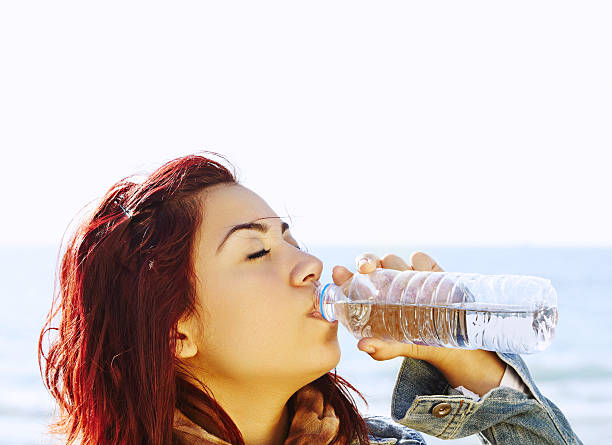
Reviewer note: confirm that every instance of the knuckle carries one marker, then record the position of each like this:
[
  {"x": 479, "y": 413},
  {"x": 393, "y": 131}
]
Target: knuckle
[
  {"x": 420, "y": 257},
  {"x": 368, "y": 256},
  {"x": 389, "y": 256},
  {"x": 392, "y": 258},
  {"x": 394, "y": 262}
]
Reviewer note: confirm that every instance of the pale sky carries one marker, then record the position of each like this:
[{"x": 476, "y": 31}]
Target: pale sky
[{"x": 394, "y": 122}]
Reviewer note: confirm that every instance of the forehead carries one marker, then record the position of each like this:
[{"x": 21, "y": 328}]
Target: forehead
[{"x": 226, "y": 205}]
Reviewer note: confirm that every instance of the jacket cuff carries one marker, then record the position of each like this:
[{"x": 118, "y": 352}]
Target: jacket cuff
[
  {"x": 510, "y": 379},
  {"x": 423, "y": 400}
]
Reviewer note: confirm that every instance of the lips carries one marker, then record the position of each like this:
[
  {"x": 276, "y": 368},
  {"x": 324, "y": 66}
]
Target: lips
[
  {"x": 316, "y": 314},
  {"x": 314, "y": 297}
]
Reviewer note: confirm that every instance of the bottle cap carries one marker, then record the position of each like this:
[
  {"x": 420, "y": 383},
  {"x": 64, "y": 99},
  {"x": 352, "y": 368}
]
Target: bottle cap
[{"x": 321, "y": 300}]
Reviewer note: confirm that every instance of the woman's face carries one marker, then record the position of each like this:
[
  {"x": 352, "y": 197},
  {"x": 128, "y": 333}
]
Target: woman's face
[{"x": 254, "y": 315}]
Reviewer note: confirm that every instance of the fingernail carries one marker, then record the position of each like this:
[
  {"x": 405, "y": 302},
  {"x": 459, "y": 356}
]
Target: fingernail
[{"x": 369, "y": 349}]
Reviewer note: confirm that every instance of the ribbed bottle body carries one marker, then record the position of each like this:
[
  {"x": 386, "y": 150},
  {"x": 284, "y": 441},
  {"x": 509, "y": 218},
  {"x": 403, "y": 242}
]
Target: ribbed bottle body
[{"x": 504, "y": 313}]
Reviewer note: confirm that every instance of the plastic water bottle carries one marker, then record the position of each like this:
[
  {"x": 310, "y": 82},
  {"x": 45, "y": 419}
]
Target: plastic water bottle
[{"x": 504, "y": 313}]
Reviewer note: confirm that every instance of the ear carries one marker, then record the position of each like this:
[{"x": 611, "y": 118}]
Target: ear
[{"x": 186, "y": 346}]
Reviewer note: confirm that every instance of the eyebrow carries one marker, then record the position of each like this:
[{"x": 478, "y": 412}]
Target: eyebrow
[{"x": 263, "y": 228}]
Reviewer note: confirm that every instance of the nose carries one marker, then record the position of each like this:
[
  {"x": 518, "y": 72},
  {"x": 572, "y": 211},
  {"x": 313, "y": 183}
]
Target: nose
[{"x": 306, "y": 271}]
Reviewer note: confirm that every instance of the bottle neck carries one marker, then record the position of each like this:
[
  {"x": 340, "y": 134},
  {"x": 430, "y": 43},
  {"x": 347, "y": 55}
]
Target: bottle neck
[{"x": 326, "y": 297}]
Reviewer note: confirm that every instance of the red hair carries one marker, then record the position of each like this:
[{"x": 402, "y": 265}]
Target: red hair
[{"x": 124, "y": 280}]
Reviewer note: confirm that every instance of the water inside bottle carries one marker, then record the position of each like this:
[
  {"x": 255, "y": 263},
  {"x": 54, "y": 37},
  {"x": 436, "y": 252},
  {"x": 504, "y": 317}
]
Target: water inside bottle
[{"x": 473, "y": 326}]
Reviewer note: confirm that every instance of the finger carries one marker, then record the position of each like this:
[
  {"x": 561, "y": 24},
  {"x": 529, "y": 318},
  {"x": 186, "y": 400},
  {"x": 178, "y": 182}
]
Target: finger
[
  {"x": 341, "y": 274},
  {"x": 367, "y": 262},
  {"x": 422, "y": 261},
  {"x": 395, "y": 262}
]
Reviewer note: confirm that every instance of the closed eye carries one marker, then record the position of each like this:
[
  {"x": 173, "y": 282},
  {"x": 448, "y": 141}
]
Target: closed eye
[
  {"x": 256, "y": 255},
  {"x": 264, "y": 252}
]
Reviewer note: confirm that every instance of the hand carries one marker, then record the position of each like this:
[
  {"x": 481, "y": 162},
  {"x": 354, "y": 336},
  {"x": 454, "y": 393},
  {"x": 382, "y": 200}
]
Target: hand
[
  {"x": 388, "y": 349},
  {"x": 476, "y": 369}
]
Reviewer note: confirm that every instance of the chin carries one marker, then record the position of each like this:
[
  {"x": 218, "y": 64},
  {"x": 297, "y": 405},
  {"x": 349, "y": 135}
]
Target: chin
[
  {"x": 323, "y": 359},
  {"x": 332, "y": 356}
]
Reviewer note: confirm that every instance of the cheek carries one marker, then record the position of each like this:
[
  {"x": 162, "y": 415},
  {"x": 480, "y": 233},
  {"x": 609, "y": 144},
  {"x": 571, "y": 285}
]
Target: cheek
[{"x": 254, "y": 333}]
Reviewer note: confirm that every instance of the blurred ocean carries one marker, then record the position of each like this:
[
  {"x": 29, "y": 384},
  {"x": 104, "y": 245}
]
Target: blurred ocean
[{"x": 575, "y": 372}]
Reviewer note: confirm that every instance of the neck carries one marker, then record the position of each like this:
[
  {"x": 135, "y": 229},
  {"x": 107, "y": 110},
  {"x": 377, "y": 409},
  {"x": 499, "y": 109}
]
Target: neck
[
  {"x": 260, "y": 412},
  {"x": 269, "y": 427}
]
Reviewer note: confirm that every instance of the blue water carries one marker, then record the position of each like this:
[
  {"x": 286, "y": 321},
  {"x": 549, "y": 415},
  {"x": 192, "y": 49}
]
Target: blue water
[{"x": 575, "y": 372}]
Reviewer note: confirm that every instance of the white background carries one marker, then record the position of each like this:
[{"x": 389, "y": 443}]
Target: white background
[
  {"x": 451, "y": 123},
  {"x": 381, "y": 122}
]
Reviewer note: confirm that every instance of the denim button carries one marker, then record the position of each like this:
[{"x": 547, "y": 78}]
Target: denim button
[{"x": 441, "y": 410}]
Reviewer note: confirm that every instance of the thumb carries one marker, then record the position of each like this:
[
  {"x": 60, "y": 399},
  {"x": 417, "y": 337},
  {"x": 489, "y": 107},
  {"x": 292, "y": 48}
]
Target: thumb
[
  {"x": 380, "y": 349},
  {"x": 340, "y": 274}
]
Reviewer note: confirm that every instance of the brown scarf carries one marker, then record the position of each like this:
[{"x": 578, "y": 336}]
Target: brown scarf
[{"x": 312, "y": 424}]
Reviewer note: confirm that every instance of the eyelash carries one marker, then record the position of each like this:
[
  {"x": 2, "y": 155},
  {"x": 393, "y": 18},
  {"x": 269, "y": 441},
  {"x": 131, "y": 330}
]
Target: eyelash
[{"x": 261, "y": 253}]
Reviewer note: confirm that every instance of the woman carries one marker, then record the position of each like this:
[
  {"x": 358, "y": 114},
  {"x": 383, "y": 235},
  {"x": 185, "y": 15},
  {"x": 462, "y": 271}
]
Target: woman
[{"x": 186, "y": 317}]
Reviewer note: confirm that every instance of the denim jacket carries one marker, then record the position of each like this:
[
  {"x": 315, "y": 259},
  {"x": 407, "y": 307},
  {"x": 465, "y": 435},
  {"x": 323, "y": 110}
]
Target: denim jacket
[{"x": 423, "y": 400}]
